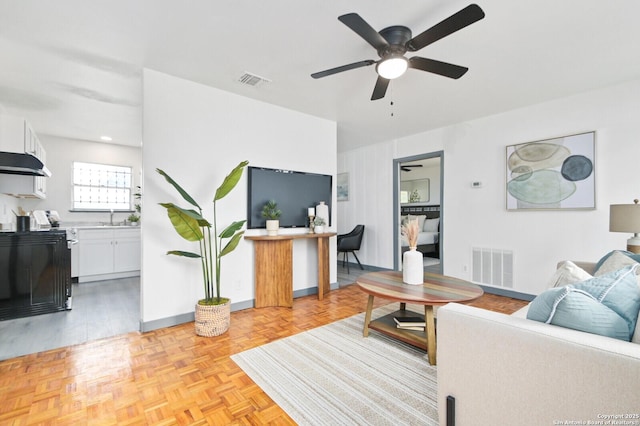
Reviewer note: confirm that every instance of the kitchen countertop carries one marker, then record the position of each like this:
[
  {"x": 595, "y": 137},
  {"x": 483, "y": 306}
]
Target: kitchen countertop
[
  {"x": 103, "y": 227},
  {"x": 76, "y": 226},
  {"x": 96, "y": 226}
]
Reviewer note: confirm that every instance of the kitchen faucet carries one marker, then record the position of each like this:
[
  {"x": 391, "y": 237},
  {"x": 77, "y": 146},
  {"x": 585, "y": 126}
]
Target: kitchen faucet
[{"x": 111, "y": 218}]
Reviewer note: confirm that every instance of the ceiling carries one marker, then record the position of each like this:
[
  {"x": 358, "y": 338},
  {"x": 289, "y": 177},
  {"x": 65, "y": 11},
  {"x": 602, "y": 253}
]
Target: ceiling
[{"x": 74, "y": 67}]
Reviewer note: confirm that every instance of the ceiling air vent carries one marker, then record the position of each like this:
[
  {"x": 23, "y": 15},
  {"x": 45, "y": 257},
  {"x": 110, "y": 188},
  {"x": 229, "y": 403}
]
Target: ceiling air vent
[{"x": 252, "y": 79}]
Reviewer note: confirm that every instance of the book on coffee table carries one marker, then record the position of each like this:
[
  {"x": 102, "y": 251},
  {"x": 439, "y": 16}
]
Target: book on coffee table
[
  {"x": 408, "y": 327},
  {"x": 409, "y": 322}
]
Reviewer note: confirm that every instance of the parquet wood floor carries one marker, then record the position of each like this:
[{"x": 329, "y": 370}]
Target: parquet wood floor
[{"x": 170, "y": 376}]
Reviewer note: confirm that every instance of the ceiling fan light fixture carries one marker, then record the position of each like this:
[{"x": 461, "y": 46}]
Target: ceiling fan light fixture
[
  {"x": 392, "y": 43},
  {"x": 392, "y": 67}
]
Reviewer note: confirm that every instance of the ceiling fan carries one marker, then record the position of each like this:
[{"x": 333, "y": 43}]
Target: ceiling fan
[
  {"x": 393, "y": 42},
  {"x": 408, "y": 167}
]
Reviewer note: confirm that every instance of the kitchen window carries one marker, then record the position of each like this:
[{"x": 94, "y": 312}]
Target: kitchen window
[{"x": 101, "y": 187}]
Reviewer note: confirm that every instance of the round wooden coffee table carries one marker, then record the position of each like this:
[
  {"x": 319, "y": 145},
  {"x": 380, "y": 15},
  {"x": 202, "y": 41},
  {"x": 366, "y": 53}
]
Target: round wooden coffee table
[{"x": 435, "y": 291}]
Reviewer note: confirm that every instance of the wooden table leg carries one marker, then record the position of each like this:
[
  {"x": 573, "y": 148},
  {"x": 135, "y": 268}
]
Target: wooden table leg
[
  {"x": 273, "y": 273},
  {"x": 323, "y": 267},
  {"x": 367, "y": 317},
  {"x": 430, "y": 329}
]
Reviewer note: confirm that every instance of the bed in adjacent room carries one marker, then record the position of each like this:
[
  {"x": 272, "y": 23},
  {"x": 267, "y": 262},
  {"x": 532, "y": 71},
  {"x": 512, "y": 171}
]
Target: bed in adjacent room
[{"x": 429, "y": 225}]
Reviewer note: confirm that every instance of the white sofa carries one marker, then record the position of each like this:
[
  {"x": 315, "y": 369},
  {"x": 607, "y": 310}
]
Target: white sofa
[{"x": 507, "y": 370}]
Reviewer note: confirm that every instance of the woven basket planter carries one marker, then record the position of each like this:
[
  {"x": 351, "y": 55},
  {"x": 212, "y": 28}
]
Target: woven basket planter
[{"x": 212, "y": 320}]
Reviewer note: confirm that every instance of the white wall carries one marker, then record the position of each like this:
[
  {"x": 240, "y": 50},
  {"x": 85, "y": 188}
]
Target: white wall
[
  {"x": 475, "y": 151},
  {"x": 8, "y": 205},
  {"x": 197, "y": 134},
  {"x": 61, "y": 153},
  {"x": 370, "y": 201}
]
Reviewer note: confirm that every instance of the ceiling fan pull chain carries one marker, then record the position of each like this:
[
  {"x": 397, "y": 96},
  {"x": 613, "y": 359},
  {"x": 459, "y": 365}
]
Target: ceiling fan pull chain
[{"x": 391, "y": 103}]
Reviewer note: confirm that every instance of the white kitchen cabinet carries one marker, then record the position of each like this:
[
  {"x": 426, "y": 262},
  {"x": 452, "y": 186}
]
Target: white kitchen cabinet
[
  {"x": 24, "y": 186},
  {"x": 17, "y": 135},
  {"x": 74, "y": 260},
  {"x": 126, "y": 254},
  {"x": 107, "y": 253}
]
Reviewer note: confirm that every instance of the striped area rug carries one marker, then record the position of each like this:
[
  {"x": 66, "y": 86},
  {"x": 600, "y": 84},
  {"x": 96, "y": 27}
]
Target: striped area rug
[{"x": 332, "y": 375}]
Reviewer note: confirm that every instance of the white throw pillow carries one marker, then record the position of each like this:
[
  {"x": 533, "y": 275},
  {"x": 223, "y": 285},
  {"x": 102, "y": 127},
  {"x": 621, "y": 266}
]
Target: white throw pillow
[
  {"x": 615, "y": 262},
  {"x": 421, "y": 218},
  {"x": 431, "y": 225},
  {"x": 568, "y": 273}
]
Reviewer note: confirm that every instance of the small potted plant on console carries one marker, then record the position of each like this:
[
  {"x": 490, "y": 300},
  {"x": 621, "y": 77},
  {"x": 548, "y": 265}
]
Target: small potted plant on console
[
  {"x": 271, "y": 212},
  {"x": 319, "y": 223}
]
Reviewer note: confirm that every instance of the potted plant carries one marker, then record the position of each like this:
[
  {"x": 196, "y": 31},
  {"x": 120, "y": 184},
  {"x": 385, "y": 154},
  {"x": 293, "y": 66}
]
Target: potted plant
[
  {"x": 213, "y": 313},
  {"x": 271, "y": 212},
  {"x": 133, "y": 219},
  {"x": 319, "y": 223}
]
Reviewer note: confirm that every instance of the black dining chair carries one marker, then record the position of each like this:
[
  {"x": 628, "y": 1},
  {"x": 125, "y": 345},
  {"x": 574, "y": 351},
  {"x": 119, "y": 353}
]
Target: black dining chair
[{"x": 349, "y": 243}]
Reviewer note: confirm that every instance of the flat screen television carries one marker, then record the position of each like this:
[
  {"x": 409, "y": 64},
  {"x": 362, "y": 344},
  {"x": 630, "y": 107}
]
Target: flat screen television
[{"x": 294, "y": 192}]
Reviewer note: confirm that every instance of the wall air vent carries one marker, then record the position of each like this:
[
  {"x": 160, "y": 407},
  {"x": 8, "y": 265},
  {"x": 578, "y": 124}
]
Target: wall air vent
[
  {"x": 253, "y": 80},
  {"x": 493, "y": 267}
]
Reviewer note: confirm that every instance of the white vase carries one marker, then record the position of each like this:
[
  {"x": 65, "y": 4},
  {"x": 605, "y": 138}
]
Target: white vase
[
  {"x": 272, "y": 227},
  {"x": 412, "y": 267},
  {"x": 322, "y": 210},
  {"x": 318, "y": 229}
]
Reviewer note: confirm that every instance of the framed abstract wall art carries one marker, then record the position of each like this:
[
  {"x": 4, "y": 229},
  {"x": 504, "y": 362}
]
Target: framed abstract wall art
[
  {"x": 342, "y": 187},
  {"x": 552, "y": 174}
]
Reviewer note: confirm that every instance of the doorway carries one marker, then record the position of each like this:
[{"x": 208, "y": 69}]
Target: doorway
[{"x": 418, "y": 191}]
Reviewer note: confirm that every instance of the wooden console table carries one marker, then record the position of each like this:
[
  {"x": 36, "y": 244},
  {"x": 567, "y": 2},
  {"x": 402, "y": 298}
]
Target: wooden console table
[{"x": 274, "y": 267}]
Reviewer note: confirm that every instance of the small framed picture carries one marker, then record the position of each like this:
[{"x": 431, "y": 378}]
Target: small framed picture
[{"x": 342, "y": 187}]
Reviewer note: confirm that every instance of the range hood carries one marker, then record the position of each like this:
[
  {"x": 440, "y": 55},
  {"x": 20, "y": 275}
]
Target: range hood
[{"x": 22, "y": 164}]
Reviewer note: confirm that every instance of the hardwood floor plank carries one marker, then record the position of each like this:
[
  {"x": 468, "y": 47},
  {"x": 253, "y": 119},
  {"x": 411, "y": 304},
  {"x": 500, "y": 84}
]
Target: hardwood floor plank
[{"x": 171, "y": 376}]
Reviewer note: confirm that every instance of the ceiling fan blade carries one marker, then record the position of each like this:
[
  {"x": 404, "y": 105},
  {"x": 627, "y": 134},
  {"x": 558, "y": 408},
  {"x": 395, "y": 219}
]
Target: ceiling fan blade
[
  {"x": 364, "y": 30},
  {"x": 381, "y": 88},
  {"x": 409, "y": 167},
  {"x": 453, "y": 23},
  {"x": 437, "y": 67},
  {"x": 343, "y": 68}
]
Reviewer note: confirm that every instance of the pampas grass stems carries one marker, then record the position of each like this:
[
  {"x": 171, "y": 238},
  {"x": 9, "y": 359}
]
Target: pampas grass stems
[{"x": 410, "y": 231}]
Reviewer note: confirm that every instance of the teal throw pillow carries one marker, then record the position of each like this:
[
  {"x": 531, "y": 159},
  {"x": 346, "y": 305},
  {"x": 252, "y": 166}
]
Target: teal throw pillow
[
  {"x": 619, "y": 291},
  {"x": 566, "y": 307},
  {"x": 607, "y": 305}
]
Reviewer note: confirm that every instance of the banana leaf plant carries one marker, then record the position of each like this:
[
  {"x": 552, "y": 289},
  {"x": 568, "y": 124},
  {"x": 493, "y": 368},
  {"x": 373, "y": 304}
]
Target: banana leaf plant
[{"x": 191, "y": 225}]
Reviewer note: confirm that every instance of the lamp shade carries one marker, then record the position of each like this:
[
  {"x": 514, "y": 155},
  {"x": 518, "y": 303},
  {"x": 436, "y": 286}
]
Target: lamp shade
[
  {"x": 392, "y": 67},
  {"x": 624, "y": 218}
]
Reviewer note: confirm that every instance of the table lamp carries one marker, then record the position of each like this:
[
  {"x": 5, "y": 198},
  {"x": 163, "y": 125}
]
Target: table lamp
[{"x": 626, "y": 218}]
